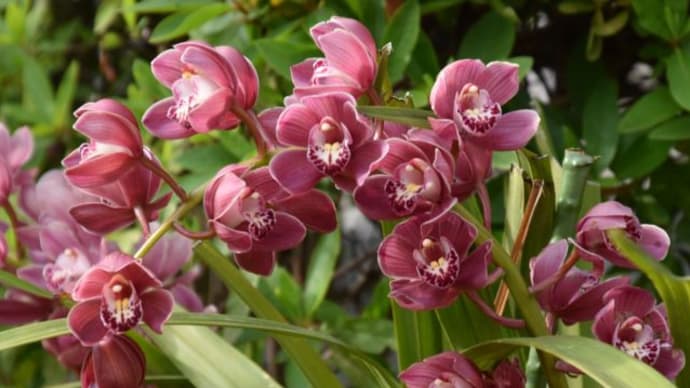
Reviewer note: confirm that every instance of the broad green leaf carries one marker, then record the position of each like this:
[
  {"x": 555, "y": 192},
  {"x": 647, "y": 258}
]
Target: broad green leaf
[
  {"x": 166, "y": 6},
  {"x": 611, "y": 26},
  {"x": 10, "y": 280},
  {"x": 651, "y": 109},
  {"x": 282, "y": 289},
  {"x": 37, "y": 96},
  {"x": 205, "y": 159},
  {"x": 673, "y": 130},
  {"x": 281, "y": 54},
  {"x": 641, "y": 158},
  {"x": 464, "y": 325},
  {"x": 207, "y": 360},
  {"x": 674, "y": 291},
  {"x": 678, "y": 73},
  {"x": 599, "y": 122},
  {"x": 661, "y": 17},
  {"x": 424, "y": 61},
  {"x": 309, "y": 361},
  {"x": 417, "y": 335},
  {"x": 605, "y": 364},
  {"x": 105, "y": 15},
  {"x": 64, "y": 97},
  {"x": 412, "y": 117},
  {"x": 368, "y": 335},
  {"x": 490, "y": 38},
  {"x": 320, "y": 271},
  {"x": 402, "y": 32},
  {"x": 180, "y": 23},
  {"x": 32, "y": 332}
]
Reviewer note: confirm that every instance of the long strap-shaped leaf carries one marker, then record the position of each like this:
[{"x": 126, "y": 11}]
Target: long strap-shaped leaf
[
  {"x": 606, "y": 365},
  {"x": 311, "y": 364}
]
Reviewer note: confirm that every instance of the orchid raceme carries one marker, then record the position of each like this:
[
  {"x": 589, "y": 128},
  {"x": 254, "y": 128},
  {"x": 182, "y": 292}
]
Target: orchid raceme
[{"x": 383, "y": 215}]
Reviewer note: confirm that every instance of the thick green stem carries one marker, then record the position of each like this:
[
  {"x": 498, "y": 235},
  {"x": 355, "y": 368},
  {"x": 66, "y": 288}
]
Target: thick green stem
[
  {"x": 525, "y": 301},
  {"x": 192, "y": 201},
  {"x": 311, "y": 364},
  {"x": 576, "y": 166}
]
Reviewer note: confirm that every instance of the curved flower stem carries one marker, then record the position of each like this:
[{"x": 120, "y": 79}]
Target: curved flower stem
[
  {"x": 486, "y": 309},
  {"x": 485, "y": 200},
  {"x": 251, "y": 121},
  {"x": 190, "y": 203},
  {"x": 526, "y": 303},
  {"x": 516, "y": 253},
  {"x": 141, "y": 218},
  {"x": 15, "y": 223},
  {"x": 202, "y": 235},
  {"x": 161, "y": 173}
]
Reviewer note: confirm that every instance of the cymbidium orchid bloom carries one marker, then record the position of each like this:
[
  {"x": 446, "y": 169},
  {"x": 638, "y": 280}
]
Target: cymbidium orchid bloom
[
  {"x": 417, "y": 174},
  {"x": 15, "y": 151},
  {"x": 208, "y": 85},
  {"x": 66, "y": 348},
  {"x": 350, "y": 63},
  {"x": 119, "y": 203},
  {"x": 470, "y": 94},
  {"x": 632, "y": 322},
  {"x": 115, "y": 362},
  {"x": 429, "y": 263},
  {"x": 255, "y": 217},
  {"x": 444, "y": 370},
  {"x": 575, "y": 297},
  {"x": 595, "y": 244},
  {"x": 326, "y": 136},
  {"x": 114, "y": 146},
  {"x": 114, "y": 297}
]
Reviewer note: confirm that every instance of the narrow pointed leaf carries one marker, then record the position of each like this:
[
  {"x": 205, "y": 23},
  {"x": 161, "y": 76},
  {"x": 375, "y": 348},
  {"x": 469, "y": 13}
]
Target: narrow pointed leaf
[{"x": 412, "y": 117}]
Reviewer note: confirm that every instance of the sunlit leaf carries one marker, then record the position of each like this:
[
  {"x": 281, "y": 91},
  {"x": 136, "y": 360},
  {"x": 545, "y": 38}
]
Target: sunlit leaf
[
  {"x": 402, "y": 32},
  {"x": 651, "y": 109},
  {"x": 180, "y": 23},
  {"x": 412, "y": 117},
  {"x": 490, "y": 38}
]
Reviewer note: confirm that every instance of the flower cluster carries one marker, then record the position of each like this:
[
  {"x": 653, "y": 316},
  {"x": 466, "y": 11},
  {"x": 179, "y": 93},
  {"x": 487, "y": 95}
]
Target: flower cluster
[{"x": 411, "y": 179}]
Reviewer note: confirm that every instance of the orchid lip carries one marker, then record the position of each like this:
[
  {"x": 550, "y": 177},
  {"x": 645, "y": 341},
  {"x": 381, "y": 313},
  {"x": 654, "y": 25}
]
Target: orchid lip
[
  {"x": 476, "y": 111},
  {"x": 438, "y": 264},
  {"x": 121, "y": 307}
]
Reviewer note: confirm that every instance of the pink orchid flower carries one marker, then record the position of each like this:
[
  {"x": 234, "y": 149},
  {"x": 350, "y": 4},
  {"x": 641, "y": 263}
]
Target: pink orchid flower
[
  {"x": 255, "y": 217},
  {"x": 114, "y": 297},
  {"x": 417, "y": 174},
  {"x": 350, "y": 62},
  {"x": 632, "y": 322},
  {"x": 114, "y": 146},
  {"x": 470, "y": 95},
  {"x": 429, "y": 263},
  {"x": 507, "y": 374},
  {"x": 208, "y": 84},
  {"x": 15, "y": 151},
  {"x": 595, "y": 244},
  {"x": 447, "y": 369},
  {"x": 116, "y": 362},
  {"x": 327, "y": 137},
  {"x": 578, "y": 295}
]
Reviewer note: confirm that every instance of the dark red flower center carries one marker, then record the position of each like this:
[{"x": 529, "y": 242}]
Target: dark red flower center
[
  {"x": 121, "y": 307},
  {"x": 260, "y": 218},
  {"x": 329, "y": 148},
  {"x": 637, "y": 339},
  {"x": 475, "y": 111},
  {"x": 438, "y": 264}
]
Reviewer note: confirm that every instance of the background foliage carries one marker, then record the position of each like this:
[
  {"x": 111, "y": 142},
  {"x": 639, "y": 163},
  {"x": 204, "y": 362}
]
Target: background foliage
[{"x": 610, "y": 76}]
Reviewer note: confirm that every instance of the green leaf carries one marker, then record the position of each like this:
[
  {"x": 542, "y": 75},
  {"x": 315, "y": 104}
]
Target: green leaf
[
  {"x": 320, "y": 271},
  {"x": 207, "y": 360},
  {"x": 651, "y": 109},
  {"x": 490, "y": 38},
  {"x": 10, "y": 280},
  {"x": 166, "y": 6},
  {"x": 64, "y": 98},
  {"x": 514, "y": 198},
  {"x": 611, "y": 26},
  {"x": 599, "y": 122},
  {"x": 37, "y": 96},
  {"x": 674, "y": 291},
  {"x": 464, "y": 325},
  {"x": 409, "y": 116},
  {"x": 281, "y": 54},
  {"x": 180, "y": 23},
  {"x": 32, "y": 332},
  {"x": 525, "y": 64},
  {"x": 605, "y": 364},
  {"x": 674, "y": 130},
  {"x": 402, "y": 32},
  {"x": 678, "y": 73},
  {"x": 417, "y": 335},
  {"x": 309, "y": 361},
  {"x": 205, "y": 158},
  {"x": 641, "y": 158},
  {"x": 282, "y": 289},
  {"x": 660, "y": 17}
]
